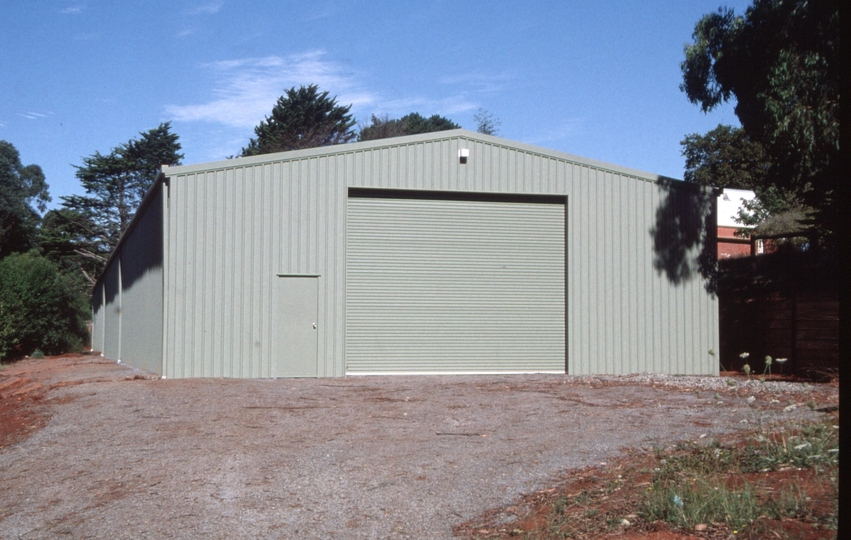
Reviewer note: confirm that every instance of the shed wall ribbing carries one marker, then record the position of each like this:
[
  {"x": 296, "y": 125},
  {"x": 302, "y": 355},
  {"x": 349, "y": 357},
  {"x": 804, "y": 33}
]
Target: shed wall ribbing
[{"x": 231, "y": 227}]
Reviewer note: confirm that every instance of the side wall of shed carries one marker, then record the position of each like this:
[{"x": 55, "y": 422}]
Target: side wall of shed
[
  {"x": 635, "y": 299},
  {"x": 111, "y": 281},
  {"x": 98, "y": 317},
  {"x": 131, "y": 317}
]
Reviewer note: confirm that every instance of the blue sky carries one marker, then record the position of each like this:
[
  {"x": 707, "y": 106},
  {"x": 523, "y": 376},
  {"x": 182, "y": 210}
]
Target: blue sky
[{"x": 591, "y": 78}]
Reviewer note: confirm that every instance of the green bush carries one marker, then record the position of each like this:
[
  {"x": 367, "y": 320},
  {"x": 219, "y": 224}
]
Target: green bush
[{"x": 39, "y": 308}]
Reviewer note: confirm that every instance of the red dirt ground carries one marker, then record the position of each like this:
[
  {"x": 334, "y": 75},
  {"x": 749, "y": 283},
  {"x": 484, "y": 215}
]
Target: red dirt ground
[
  {"x": 25, "y": 384},
  {"x": 614, "y": 490}
]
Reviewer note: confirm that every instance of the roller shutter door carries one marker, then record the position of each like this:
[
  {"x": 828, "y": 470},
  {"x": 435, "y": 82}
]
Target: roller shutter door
[{"x": 439, "y": 286}]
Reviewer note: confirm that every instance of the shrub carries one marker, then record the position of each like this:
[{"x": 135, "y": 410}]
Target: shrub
[{"x": 39, "y": 308}]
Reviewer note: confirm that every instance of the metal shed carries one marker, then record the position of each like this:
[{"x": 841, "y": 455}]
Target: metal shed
[{"x": 449, "y": 252}]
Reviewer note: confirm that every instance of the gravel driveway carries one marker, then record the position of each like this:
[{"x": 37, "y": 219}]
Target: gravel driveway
[{"x": 367, "y": 457}]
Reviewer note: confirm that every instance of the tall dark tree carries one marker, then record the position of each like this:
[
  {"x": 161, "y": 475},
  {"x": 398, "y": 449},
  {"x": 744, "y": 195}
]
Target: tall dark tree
[
  {"x": 727, "y": 158},
  {"x": 780, "y": 63},
  {"x": 303, "y": 118},
  {"x": 382, "y": 127},
  {"x": 70, "y": 239},
  {"x": 23, "y": 191},
  {"x": 90, "y": 225}
]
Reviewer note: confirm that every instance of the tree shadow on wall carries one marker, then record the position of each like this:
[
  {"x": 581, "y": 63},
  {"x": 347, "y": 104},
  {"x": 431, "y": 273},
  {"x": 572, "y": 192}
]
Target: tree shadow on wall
[{"x": 685, "y": 235}]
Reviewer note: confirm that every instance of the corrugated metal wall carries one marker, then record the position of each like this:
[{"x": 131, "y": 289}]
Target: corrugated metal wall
[
  {"x": 229, "y": 232},
  {"x": 142, "y": 289},
  {"x": 98, "y": 314},
  {"x": 128, "y": 300},
  {"x": 112, "y": 310},
  {"x": 635, "y": 301}
]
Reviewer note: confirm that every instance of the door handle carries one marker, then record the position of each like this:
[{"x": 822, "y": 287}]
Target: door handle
[{"x": 314, "y": 326}]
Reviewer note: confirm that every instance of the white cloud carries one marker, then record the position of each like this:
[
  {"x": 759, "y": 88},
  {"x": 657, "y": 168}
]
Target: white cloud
[
  {"x": 73, "y": 10},
  {"x": 206, "y": 9},
  {"x": 480, "y": 82},
  {"x": 462, "y": 99},
  {"x": 427, "y": 106},
  {"x": 558, "y": 133},
  {"x": 33, "y": 115},
  {"x": 245, "y": 90}
]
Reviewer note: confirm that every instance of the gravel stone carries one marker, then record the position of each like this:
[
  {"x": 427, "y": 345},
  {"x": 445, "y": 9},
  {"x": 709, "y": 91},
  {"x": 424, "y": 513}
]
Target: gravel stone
[{"x": 125, "y": 456}]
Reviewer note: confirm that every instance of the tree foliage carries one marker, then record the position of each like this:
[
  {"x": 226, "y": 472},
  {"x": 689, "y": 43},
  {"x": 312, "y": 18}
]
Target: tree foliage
[
  {"x": 89, "y": 226},
  {"x": 40, "y": 308},
  {"x": 69, "y": 239},
  {"x": 303, "y": 118},
  {"x": 382, "y": 127},
  {"x": 23, "y": 190},
  {"x": 780, "y": 63},
  {"x": 725, "y": 158},
  {"x": 486, "y": 122}
]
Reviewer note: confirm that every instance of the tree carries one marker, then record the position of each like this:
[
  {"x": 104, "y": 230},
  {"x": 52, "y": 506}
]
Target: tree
[
  {"x": 727, "y": 158},
  {"x": 39, "y": 307},
  {"x": 69, "y": 239},
  {"x": 486, "y": 122},
  {"x": 22, "y": 190},
  {"x": 90, "y": 225},
  {"x": 415, "y": 123},
  {"x": 304, "y": 118},
  {"x": 383, "y": 127},
  {"x": 780, "y": 63}
]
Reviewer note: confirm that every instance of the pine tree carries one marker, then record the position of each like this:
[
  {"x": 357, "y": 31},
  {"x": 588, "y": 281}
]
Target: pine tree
[
  {"x": 303, "y": 118},
  {"x": 90, "y": 226}
]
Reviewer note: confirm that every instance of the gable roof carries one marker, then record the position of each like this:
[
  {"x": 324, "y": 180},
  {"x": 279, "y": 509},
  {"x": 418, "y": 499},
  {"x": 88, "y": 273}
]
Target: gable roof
[
  {"x": 408, "y": 140},
  {"x": 454, "y": 134}
]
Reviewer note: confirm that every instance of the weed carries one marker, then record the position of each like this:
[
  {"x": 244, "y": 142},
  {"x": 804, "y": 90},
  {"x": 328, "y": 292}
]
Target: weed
[
  {"x": 812, "y": 446},
  {"x": 560, "y": 505},
  {"x": 713, "y": 484},
  {"x": 37, "y": 354},
  {"x": 701, "y": 501},
  {"x": 692, "y": 486}
]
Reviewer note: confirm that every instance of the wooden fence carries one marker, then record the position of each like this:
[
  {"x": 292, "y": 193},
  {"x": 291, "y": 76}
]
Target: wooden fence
[{"x": 802, "y": 326}]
